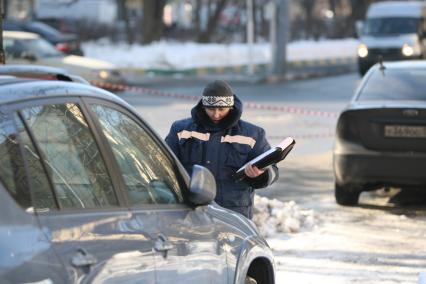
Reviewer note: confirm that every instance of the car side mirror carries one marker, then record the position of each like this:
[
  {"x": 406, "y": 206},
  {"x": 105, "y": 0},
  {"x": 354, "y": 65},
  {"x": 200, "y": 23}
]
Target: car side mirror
[{"x": 202, "y": 188}]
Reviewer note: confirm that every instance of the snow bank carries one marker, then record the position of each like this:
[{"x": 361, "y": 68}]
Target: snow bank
[
  {"x": 272, "y": 216},
  {"x": 176, "y": 55}
]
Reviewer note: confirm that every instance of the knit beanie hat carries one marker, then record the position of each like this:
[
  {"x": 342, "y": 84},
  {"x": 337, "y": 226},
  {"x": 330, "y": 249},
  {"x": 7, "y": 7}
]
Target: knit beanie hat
[{"x": 218, "y": 94}]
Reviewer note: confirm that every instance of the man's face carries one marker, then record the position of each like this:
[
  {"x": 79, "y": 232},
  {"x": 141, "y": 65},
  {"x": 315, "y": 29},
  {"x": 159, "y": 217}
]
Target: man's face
[{"x": 218, "y": 113}]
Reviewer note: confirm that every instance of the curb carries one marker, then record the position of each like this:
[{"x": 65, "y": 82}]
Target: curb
[
  {"x": 262, "y": 67},
  {"x": 301, "y": 69}
]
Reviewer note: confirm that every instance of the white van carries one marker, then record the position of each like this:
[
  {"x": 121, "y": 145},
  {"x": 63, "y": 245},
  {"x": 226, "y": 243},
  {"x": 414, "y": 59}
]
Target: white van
[{"x": 394, "y": 31}]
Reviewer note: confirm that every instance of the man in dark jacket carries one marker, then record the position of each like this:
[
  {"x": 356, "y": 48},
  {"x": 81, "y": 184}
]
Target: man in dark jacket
[{"x": 216, "y": 138}]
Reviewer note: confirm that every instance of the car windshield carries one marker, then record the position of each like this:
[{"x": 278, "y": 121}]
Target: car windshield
[
  {"x": 394, "y": 85},
  {"x": 389, "y": 26},
  {"x": 40, "y": 48}
]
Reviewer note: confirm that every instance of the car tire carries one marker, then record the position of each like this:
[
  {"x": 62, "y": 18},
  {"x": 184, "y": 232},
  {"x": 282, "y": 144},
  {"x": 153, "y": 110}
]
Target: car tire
[
  {"x": 347, "y": 195},
  {"x": 250, "y": 280},
  {"x": 363, "y": 68}
]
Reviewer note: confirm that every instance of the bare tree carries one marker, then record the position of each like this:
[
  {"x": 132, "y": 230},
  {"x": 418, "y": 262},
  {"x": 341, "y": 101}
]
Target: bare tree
[
  {"x": 197, "y": 20},
  {"x": 205, "y": 35},
  {"x": 332, "y": 4},
  {"x": 359, "y": 9},
  {"x": 308, "y": 7},
  {"x": 124, "y": 15},
  {"x": 152, "y": 22}
]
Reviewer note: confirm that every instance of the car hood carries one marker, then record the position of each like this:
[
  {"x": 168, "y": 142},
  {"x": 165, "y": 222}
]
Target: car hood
[
  {"x": 85, "y": 67},
  {"x": 396, "y": 41},
  {"x": 86, "y": 62}
]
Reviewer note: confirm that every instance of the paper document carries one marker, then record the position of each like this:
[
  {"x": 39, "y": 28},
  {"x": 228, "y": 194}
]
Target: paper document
[{"x": 272, "y": 156}]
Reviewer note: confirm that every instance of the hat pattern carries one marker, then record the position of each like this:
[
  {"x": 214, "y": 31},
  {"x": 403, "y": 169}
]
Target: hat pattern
[
  {"x": 216, "y": 101},
  {"x": 218, "y": 94}
]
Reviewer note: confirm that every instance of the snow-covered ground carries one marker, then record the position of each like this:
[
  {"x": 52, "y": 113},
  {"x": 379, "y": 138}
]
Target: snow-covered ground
[{"x": 174, "y": 55}]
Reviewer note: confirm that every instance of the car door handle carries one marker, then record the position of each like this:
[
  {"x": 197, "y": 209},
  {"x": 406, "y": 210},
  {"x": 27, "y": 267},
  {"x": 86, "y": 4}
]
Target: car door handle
[
  {"x": 162, "y": 244},
  {"x": 83, "y": 259}
]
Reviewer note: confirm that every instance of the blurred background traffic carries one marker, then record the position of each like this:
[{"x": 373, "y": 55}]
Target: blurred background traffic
[{"x": 141, "y": 38}]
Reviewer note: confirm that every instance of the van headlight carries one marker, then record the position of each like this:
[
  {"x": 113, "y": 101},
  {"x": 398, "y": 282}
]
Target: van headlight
[
  {"x": 407, "y": 50},
  {"x": 362, "y": 50}
]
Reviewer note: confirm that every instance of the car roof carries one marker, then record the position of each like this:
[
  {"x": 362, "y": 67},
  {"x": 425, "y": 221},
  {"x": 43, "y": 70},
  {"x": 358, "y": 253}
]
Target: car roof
[
  {"x": 407, "y": 64},
  {"x": 14, "y": 89},
  {"x": 20, "y": 35},
  {"x": 396, "y": 9}
]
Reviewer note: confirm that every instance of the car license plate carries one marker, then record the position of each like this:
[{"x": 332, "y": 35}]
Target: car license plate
[{"x": 405, "y": 131}]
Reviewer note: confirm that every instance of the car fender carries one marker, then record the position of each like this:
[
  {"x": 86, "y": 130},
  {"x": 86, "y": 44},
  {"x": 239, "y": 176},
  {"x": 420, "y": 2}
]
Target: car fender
[{"x": 251, "y": 249}]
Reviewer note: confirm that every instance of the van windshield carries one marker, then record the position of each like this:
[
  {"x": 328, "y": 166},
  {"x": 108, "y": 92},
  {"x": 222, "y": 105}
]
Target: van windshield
[{"x": 390, "y": 26}]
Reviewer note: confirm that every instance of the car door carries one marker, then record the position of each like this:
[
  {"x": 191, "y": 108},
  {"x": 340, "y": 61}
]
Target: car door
[
  {"x": 76, "y": 198},
  {"x": 189, "y": 248}
]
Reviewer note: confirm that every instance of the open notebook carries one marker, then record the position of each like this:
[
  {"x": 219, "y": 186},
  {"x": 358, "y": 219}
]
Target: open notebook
[{"x": 272, "y": 156}]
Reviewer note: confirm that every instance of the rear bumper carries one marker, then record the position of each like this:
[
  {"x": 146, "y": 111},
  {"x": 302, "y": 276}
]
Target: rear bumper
[{"x": 380, "y": 168}]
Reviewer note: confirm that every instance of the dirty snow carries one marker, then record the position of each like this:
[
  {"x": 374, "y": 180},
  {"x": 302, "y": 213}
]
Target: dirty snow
[{"x": 273, "y": 217}]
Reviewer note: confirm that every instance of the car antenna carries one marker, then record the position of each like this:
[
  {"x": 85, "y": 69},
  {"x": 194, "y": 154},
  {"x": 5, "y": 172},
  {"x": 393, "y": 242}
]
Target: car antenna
[{"x": 382, "y": 66}]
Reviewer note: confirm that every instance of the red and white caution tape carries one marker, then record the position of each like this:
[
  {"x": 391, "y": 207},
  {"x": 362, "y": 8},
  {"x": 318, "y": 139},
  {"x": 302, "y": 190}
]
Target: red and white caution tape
[
  {"x": 303, "y": 136},
  {"x": 248, "y": 105}
]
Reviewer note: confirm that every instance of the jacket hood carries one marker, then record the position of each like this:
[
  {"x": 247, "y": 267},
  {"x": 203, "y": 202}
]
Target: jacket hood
[{"x": 200, "y": 116}]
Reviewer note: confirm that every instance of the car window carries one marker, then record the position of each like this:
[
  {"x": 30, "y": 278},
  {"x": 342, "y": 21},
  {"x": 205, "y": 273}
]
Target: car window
[
  {"x": 395, "y": 85},
  {"x": 12, "y": 48},
  {"x": 42, "y": 195},
  {"x": 37, "y": 47},
  {"x": 148, "y": 173},
  {"x": 12, "y": 170},
  {"x": 70, "y": 155}
]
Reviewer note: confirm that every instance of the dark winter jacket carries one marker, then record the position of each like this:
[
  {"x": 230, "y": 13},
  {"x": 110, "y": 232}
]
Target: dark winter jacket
[{"x": 223, "y": 148}]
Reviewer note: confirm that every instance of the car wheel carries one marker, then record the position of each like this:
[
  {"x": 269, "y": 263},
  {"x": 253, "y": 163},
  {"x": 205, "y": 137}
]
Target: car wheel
[
  {"x": 363, "y": 68},
  {"x": 250, "y": 280},
  {"x": 347, "y": 194}
]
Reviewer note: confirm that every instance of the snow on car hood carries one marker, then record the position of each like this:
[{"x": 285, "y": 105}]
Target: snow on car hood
[{"x": 87, "y": 62}]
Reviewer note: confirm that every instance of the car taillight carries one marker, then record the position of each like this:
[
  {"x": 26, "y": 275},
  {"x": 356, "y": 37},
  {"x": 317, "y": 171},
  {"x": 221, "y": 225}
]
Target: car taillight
[
  {"x": 347, "y": 127},
  {"x": 63, "y": 47}
]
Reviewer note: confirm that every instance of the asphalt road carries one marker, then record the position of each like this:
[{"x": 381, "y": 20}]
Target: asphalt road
[{"x": 375, "y": 242}]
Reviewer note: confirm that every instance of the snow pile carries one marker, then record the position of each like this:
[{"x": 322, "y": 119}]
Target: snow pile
[
  {"x": 272, "y": 216},
  {"x": 175, "y": 55}
]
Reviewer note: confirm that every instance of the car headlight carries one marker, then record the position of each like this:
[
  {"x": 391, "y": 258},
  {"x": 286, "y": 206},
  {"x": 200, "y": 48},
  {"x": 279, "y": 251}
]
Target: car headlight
[
  {"x": 104, "y": 74},
  {"x": 362, "y": 50},
  {"x": 407, "y": 50}
]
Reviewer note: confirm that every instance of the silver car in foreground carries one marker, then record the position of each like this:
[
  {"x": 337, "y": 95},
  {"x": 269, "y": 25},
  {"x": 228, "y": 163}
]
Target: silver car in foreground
[{"x": 90, "y": 194}]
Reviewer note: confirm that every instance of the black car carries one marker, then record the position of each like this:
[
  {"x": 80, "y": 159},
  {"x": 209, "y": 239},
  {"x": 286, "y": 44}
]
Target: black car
[
  {"x": 90, "y": 194},
  {"x": 66, "y": 43},
  {"x": 381, "y": 135}
]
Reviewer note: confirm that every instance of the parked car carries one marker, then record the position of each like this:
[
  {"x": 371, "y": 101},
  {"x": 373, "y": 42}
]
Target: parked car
[
  {"x": 89, "y": 193},
  {"x": 29, "y": 48},
  {"x": 65, "y": 42},
  {"x": 393, "y": 30},
  {"x": 381, "y": 135},
  {"x": 40, "y": 72}
]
